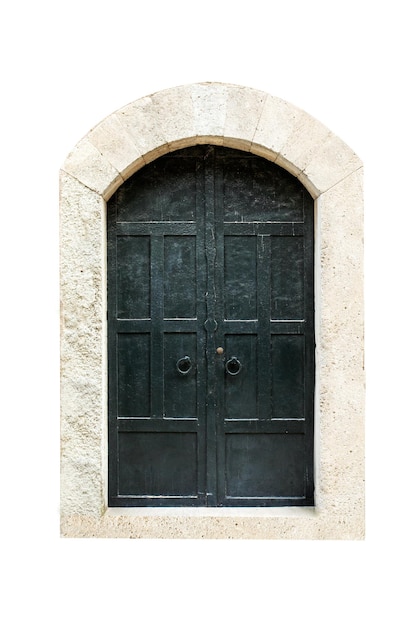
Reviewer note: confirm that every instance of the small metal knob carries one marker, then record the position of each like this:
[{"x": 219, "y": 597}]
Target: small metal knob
[{"x": 220, "y": 350}]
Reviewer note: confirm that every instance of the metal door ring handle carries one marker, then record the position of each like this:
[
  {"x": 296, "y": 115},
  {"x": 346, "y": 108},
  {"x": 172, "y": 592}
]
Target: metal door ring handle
[
  {"x": 233, "y": 366},
  {"x": 184, "y": 365}
]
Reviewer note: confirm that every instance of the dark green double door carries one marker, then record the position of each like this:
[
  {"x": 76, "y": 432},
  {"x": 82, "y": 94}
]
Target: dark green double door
[{"x": 211, "y": 334}]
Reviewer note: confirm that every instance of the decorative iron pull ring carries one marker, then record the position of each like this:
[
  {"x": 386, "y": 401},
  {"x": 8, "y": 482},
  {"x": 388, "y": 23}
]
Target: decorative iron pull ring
[
  {"x": 233, "y": 366},
  {"x": 184, "y": 365}
]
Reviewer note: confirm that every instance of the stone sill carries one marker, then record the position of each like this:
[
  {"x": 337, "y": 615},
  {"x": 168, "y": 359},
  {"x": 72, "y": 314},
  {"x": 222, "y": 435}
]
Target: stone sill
[{"x": 221, "y": 512}]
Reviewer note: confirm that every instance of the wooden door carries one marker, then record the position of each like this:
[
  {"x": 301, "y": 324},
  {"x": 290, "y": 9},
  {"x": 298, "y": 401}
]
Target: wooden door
[{"x": 211, "y": 334}]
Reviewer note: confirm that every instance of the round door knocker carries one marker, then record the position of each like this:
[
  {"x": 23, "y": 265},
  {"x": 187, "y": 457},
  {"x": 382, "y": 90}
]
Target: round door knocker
[
  {"x": 184, "y": 365},
  {"x": 233, "y": 366}
]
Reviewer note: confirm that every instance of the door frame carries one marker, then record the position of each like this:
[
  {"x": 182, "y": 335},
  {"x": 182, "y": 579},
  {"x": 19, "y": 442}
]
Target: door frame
[{"x": 251, "y": 120}]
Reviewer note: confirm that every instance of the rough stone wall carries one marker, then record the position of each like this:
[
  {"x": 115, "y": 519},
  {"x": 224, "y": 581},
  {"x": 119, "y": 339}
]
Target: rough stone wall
[{"x": 250, "y": 120}]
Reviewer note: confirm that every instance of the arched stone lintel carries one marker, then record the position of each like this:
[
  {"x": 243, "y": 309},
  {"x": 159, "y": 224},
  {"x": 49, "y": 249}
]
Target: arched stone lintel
[{"x": 229, "y": 115}]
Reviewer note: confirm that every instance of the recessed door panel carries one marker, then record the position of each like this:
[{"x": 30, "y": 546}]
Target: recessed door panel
[
  {"x": 240, "y": 377},
  {"x": 158, "y": 464},
  {"x": 287, "y": 366},
  {"x": 287, "y": 278},
  {"x": 133, "y": 277},
  {"x": 165, "y": 190},
  {"x": 133, "y": 374},
  {"x": 180, "y": 288},
  {"x": 265, "y": 466},
  {"x": 240, "y": 278},
  {"x": 254, "y": 193},
  {"x": 180, "y": 375}
]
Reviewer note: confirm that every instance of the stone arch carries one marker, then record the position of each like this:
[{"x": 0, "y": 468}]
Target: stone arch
[
  {"x": 229, "y": 115},
  {"x": 250, "y": 120}
]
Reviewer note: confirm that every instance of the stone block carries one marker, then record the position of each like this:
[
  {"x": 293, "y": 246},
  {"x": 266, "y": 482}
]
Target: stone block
[
  {"x": 329, "y": 163},
  {"x": 173, "y": 112},
  {"x": 210, "y": 108},
  {"x": 115, "y": 143},
  {"x": 140, "y": 119},
  {"x": 303, "y": 139},
  {"x": 244, "y": 108},
  {"x": 276, "y": 123},
  {"x": 90, "y": 167}
]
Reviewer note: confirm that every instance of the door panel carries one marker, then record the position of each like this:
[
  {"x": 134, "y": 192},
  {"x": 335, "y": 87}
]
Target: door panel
[
  {"x": 240, "y": 379},
  {"x": 158, "y": 464},
  {"x": 240, "y": 278},
  {"x": 167, "y": 192},
  {"x": 133, "y": 391},
  {"x": 264, "y": 465},
  {"x": 211, "y": 334},
  {"x": 287, "y": 278},
  {"x": 287, "y": 363},
  {"x": 180, "y": 288},
  {"x": 180, "y": 375},
  {"x": 133, "y": 274},
  {"x": 254, "y": 193}
]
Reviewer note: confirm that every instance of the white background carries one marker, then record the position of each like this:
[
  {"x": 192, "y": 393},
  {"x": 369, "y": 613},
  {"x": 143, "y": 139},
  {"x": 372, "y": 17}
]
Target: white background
[{"x": 65, "y": 67}]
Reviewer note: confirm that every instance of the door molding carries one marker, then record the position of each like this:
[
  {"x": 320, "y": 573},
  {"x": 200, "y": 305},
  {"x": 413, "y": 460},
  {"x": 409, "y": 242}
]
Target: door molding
[{"x": 253, "y": 121}]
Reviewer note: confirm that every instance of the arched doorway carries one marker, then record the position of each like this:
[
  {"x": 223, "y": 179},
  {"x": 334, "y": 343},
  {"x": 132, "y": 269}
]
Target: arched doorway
[
  {"x": 211, "y": 333},
  {"x": 123, "y": 144}
]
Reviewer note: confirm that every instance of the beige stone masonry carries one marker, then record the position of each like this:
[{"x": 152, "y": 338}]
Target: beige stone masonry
[
  {"x": 114, "y": 141},
  {"x": 254, "y": 121}
]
